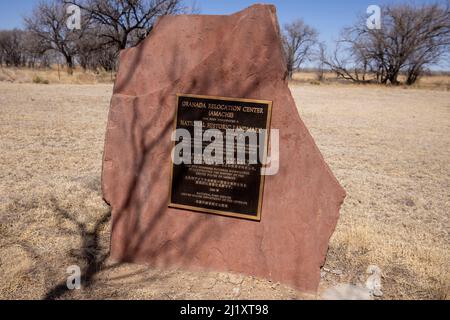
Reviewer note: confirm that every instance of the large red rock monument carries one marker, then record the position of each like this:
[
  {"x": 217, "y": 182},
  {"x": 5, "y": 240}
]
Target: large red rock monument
[{"x": 237, "y": 56}]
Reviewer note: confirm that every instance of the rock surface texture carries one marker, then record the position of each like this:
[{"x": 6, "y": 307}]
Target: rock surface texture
[{"x": 237, "y": 56}]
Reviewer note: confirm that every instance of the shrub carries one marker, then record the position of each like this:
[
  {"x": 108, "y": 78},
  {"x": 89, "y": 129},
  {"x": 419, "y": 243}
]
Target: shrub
[{"x": 40, "y": 80}]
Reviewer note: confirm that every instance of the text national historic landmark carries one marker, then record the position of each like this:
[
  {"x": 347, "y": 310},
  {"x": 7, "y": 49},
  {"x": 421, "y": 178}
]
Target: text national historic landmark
[
  {"x": 199, "y": 111},
  {"x": 221, "y": 177}
]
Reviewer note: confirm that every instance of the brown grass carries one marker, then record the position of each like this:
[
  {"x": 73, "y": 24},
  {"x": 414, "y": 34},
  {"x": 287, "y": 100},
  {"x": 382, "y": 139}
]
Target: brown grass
[
  {"x": 53, "y": 76},
  {"x": 389, "y": 148},
  {"x": 429, "y": 82}
]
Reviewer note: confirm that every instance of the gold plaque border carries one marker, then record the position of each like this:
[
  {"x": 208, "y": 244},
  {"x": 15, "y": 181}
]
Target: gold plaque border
[{"x": 266, "y": 147}]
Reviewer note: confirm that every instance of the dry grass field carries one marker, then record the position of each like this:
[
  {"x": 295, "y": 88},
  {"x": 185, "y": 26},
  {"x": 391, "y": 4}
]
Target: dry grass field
[
  {"x": 389, "y": 148},
  {"x": 54, "y": 75},
  {"x": 432, "y": 82}
]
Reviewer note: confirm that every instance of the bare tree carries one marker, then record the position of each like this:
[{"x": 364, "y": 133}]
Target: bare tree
[
  {"x": 430, "y": 42},
  {"x": 350, "y": 59},
  {"x": 86, "y": 47},
  {"x": 93, "y": 54},
  {"x": 411, "y": 39},
  {"x": 124, "y": 23},
  {"x": 107, "y": 26},
  {"x": 299, "y": 40},
  {"x": 320, "y": 58},
  {"x": 11, "y": 47},
  {"x": 34, "y": 51},
  {"x": 48, "y": 23},
  {"x": 21, "y": 48}
]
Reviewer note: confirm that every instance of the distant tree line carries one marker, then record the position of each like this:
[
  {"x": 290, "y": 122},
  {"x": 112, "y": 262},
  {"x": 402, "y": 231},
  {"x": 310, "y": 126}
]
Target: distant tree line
[
  {"x": 411, "y": 39},
  {"x": 107, "y": 26}
]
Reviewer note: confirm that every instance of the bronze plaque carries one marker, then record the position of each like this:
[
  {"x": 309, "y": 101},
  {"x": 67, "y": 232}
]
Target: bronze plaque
[{"x": 231, "y": 188}]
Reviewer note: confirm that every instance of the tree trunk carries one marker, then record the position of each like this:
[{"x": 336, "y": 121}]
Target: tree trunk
[
  {"x": 69, "y": 63},
  {"x": 290, "y": 69},
  {"x": 413, "y": 75},
  {"x": 393, "y": 78},
  {"x": 412, "y": 78}
]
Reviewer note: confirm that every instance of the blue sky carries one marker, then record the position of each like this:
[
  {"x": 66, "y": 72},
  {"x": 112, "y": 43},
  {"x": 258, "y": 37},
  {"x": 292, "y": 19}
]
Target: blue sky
[{"x": 327, "y": 16}]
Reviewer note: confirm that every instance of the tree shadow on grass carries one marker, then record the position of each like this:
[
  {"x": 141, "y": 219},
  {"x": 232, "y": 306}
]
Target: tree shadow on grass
[
  {"x": 90, "y": 251},
  {"x": 92, "y": 256}
]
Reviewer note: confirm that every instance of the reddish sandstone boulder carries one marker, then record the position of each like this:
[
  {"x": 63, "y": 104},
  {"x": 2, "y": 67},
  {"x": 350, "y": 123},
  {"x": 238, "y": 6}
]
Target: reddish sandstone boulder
[{"x": 233, "y": 56}]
